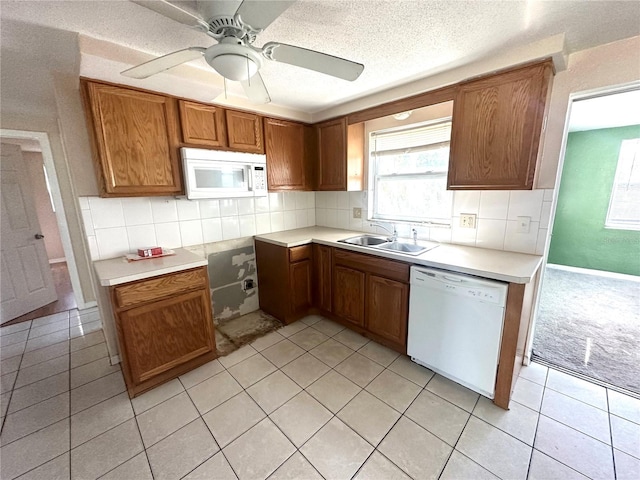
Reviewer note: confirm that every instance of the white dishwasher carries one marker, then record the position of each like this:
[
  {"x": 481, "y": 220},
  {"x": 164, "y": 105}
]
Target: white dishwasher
[{"x": 455, "y": 326}]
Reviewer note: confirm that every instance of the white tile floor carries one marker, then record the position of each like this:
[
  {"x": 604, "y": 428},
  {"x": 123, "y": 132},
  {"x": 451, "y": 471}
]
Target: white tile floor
[{"x": 296, "y": 404}]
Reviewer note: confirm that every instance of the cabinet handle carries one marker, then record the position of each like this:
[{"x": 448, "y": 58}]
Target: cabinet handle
[{"x": 38, "y": 236}]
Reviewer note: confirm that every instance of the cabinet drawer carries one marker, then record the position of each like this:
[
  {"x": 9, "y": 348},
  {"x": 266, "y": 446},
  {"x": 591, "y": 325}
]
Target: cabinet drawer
[
  {"x": 302, "y": 252},
  {"x": 157, "y": 288},
  {"x": 380, "y": 266}
]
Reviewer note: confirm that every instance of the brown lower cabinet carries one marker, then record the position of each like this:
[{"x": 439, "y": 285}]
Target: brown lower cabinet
[
  {"x": 165, "y": 327},
  {"x": 284, "y": 280},
  {"x": 366, "y": 293}
]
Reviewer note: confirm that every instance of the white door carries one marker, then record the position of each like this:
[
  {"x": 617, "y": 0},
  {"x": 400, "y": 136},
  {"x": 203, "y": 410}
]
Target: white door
[{"x": 25, "y": 277}]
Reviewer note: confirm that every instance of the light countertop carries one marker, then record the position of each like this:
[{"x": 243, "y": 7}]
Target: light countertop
[
  {"x": 495, "y": 264},
  {"x": 118, "y": 270}
]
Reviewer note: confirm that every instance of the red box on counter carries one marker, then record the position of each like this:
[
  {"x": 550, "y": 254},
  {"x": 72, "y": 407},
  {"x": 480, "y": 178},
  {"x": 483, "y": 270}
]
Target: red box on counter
[{"x": 149, "y": 251}]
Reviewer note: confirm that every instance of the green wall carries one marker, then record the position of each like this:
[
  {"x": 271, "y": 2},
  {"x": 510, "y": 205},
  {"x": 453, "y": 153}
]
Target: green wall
[{"x": 579, "y": 237}]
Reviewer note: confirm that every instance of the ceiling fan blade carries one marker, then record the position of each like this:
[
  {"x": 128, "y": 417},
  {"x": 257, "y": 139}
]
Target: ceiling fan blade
[
  {"x": 312, "y": 60},
  {"x": 255, "y": 89},
  {"x": 173, "y": 12},
  {"x": 165, "y": 62},
  {"x": 259, "y": 14}
]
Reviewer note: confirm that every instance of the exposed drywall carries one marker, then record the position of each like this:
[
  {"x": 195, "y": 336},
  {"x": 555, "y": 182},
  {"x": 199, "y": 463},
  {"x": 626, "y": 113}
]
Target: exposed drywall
[
  {"x": 580, "y": 238},
  {"x": 42, "y": 201},
  {"x": 230, "y": 264}
]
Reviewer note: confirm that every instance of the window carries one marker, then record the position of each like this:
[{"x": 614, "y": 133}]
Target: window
[
  {"x": 624, "y": 213},
  {"x": 409, "y": 174}
]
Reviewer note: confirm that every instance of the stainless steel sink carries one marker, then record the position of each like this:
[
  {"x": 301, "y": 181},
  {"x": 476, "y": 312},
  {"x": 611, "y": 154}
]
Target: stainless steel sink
[
  {"x": 410, "y": 248},
  {"x": 383, "y": 243},
  {"x": 365, "y": 240}
]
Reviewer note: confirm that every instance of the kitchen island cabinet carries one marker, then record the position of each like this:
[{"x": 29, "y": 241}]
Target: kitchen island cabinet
[{"x": 134, "y": 140}]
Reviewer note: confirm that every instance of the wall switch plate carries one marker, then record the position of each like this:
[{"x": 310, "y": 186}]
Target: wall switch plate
[
  {"x": 357, "y": 212},
  {"x": 524, "y": 224},
  {"x": 467, "y": 220}
]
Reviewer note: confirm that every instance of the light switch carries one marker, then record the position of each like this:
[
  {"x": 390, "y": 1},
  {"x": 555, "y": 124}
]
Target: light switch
[{"x": 524, "y": 224}]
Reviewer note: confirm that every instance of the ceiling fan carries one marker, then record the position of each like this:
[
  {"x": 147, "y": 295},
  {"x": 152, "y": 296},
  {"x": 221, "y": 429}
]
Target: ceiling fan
[{"x": 234, "y": 57}]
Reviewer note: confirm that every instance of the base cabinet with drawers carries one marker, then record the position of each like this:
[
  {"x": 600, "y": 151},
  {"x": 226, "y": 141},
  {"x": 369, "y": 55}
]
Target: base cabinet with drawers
[{"x": 164, "y": 326}]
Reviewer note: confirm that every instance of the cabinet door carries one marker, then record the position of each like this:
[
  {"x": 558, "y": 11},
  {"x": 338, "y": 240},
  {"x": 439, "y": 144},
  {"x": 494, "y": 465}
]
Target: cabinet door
[
  {"x": 496, "y": 128},
  {"x": 322, "y": 277},
  {"x": 135, "y": 141},
  {"x": 203, "y": 125},
  {"x": 163, "y": 335},
  {"x": 244, "y": 132},
  {"x": 300, "y": 285},
  {"x": 348, "y": 294},
  {"x": 387, "y": 308},
  {"x": 332, "y": 151},
  {"x": 285, "y": 143}
]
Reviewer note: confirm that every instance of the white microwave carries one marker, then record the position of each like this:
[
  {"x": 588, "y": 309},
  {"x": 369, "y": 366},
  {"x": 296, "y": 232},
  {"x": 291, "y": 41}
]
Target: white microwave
[{"x": 220, "y": 174}]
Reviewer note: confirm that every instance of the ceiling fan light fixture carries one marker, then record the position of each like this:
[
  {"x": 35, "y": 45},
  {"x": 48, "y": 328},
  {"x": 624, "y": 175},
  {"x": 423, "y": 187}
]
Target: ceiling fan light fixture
[{"x": 234, "y": 67}]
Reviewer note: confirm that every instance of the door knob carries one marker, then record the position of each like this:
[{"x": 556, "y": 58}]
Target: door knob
[{"x": 38, "y": 236}]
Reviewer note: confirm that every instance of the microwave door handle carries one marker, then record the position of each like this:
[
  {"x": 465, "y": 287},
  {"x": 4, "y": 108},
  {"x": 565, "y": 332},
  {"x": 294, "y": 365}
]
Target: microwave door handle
[{"x": 250, "y": 177}]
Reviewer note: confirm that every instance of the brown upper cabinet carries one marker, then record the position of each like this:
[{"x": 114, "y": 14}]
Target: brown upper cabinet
[
  {"x": 496, "y": 129},
  {"x": 290, "y": 155},
  {"x": 203, "y": 125},
  {"x": 341, "y": 155},
  {"x": 244, "y": 131},
  {"x": 134, "y": 139}
]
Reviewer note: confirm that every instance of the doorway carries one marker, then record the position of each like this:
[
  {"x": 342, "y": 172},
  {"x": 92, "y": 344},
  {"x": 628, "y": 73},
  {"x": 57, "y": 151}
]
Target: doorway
[
  {"x": 45, "y": 192},
  {"x": 588, "y": 318}
]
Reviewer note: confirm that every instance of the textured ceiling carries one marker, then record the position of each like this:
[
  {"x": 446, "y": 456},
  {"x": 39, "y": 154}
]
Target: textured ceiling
[{"x": 397, "y": 40}]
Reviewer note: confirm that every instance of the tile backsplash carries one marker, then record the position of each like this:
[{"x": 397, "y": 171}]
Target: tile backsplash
[
  {"x": 496, "y": 213},
  {"x": 115, "y": 226}
]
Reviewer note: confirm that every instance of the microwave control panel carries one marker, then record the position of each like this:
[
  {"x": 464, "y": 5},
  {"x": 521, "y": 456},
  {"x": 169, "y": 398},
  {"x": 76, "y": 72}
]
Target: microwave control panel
[{"x": 259, "y": 179}]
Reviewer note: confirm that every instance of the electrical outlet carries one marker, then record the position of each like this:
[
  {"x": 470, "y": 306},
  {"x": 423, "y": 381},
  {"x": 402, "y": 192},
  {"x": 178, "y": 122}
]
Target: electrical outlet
[
  {"x": 467, "y": 220},
  {"x": 248, "y": 284},
  {"x": 357, "y": 212},
  {"x": 524, "y": 224}
]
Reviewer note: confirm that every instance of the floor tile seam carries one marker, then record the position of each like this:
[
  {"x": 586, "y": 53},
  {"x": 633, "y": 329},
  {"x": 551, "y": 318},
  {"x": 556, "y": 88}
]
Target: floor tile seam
[
  {"x": 449, "y": 401},
  {"x": 387, "y": 403},
  {"x": 508, "y": 433},
  {"x": 47, "y": 360},
  {"x": 97, "y": 435},
  {"x": 36, "y": 381},
  {"x": 530, "y": 447},
  {"x": 560, "y": 462},
  {"x": 92, "y": 380},
  {"x": 580, "y": 431},
  {"x": 198, "y": 415},
  {"x": 48, "y": 333},
  {"x": 314, "y": 433},
  {"x": 261, "y": 378},
  {"x": 577, "y": 399},
  {"x": 194, "y": 468},
  {"x": 525, "y": 406},
  {"x": 37, "y": 430},
  {"x": 36, "y": 403},
  {"x": 98, "y": 403},
  {"x": 54, "y": 458},
  {"x": 91, "y": 361},
  {"x": 14, "y": 343},
  {"x": 333, "y": 367},
  {"x": 632, "y": 455},
  {"x": 624, "y": 418},
  {"x": 46, "y": 346}
]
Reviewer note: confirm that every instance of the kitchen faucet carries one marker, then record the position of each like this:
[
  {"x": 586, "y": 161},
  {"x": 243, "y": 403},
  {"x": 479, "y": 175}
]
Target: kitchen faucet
[{"x": 394, "y": 232}]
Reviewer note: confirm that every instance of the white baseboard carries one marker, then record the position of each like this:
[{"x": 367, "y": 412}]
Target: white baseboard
[
  {"x": 115, "y": 359},
  {"x": 57, "y": 260},
  {"x": 600, "y": 273}
]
